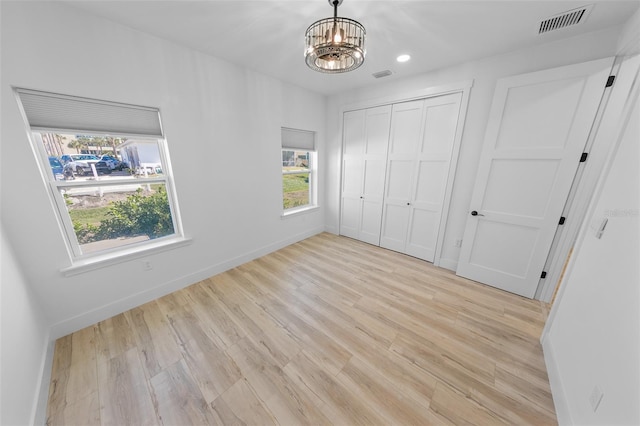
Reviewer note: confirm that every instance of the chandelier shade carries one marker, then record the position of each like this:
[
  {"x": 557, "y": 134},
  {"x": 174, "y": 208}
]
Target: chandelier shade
[{"x": 335, "y": 45}]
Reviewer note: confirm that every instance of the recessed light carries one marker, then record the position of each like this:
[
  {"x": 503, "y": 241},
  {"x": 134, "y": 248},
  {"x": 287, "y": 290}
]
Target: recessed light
[{"x": 403, "y": 58}]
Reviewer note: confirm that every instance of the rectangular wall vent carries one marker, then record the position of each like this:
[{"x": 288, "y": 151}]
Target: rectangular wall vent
[
  {"x": 381, "y": 74},
  {"x": 565, "y": 19}
]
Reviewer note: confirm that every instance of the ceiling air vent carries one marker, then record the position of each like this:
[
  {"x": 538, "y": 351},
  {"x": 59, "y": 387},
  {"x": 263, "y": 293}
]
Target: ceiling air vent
[
  {"x": 381, "y": 74},
  {"x": 565, "y": 19}
]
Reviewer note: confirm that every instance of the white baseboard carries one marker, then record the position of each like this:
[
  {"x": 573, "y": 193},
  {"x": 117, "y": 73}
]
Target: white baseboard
[
  {"x": 114, "y": 308},
  {"x": 39, "y": 411},
  {"x": 449, "y": 264},
  {"x": 331, "y": 230},
  {"x": 557, "y": 389}
]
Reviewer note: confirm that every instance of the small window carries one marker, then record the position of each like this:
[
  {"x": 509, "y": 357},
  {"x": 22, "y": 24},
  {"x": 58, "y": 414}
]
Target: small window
[
  {"x": 298, "y": 170},
  {"x": 107, "y": 170}
]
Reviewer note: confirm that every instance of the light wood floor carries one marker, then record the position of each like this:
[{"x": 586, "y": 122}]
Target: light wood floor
[{"x": 326, "y": 331}]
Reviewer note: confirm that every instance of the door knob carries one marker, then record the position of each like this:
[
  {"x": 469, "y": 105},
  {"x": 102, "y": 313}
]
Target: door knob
[
  {"x": 408, "y": 204},
  {"x": 475, "y": 213}
]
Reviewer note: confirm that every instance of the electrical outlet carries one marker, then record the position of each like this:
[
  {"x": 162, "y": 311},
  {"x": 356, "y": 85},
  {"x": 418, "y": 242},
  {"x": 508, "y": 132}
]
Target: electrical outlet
[
  {"x": 595, "y": 397},
  {"x": 146, "y": 265},
  {"x": 458, "y": 243}
]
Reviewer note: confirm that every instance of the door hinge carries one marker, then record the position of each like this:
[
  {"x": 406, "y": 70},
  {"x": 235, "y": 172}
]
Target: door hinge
[
  {"x": 543, "y": 275},
  {"x": 562, "y": 220},
  {"x": 583, "y": 157},
  {"x": 610, "y": 81}
]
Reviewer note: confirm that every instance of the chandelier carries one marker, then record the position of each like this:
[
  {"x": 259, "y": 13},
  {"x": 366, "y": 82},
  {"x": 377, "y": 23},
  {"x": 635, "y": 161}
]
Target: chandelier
[{"x": 335, "y": 45}]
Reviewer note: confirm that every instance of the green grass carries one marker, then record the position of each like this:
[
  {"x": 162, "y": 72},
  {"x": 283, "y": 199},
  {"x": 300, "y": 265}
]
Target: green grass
[
  {"x": 296, "y": 190},
  {"x": 91, "y": 216},
  {"x": 297, "y": 182}
]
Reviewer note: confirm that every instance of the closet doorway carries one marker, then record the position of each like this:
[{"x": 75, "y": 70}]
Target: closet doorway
[{"x": 398, "y": 164}]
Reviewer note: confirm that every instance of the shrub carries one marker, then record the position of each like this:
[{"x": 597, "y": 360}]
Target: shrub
[{"x": 139, "y": 214}]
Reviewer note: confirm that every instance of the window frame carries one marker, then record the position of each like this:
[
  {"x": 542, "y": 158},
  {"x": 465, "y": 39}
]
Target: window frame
[
  {"x": 80, "y": 261},
  {"x": 311, "y": 172},
  {"x": 298, "y": 140}
]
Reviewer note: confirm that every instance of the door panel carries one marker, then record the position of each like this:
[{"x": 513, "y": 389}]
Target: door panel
[
  {"x": 396, "y": 219},
  {"x": 350, "y": 217},
  {"x": 399, "y": 180},
  {"x": 366, "y": 135},
  {"x": 423, "y": 135},
  {"x": 440, "y": 127},
  {"x": 513, "y": 247},
  {"x": 406, "y": 128},
  {"x": 520, "y": 187},
  {"x": 423, "y": 233},
  {"x": 539, "y": 115},
  {"x": 538, "y": 126},
  {"x": 377, "y": 124},
  {"x": 431, "y": 181},
  {"x": 354, "y": 133},
  {"x": 374, "y": 172},
  {"x": 352, "y": 176}
]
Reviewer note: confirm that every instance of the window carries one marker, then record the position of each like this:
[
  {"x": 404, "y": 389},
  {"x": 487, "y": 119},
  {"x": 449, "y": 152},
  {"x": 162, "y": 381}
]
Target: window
[
  {"x": 106, "y": 165},
  {"x": 298, "y": 170}
]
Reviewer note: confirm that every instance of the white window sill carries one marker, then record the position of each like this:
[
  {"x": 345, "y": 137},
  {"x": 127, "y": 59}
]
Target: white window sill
[
  {"x": 298, "y": 211},
  {"x": 124, "y": 255}
]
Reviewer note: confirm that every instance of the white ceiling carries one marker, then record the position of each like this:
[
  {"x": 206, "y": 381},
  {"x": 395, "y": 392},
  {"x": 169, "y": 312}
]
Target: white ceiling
[{"x": 268, "y": 35}]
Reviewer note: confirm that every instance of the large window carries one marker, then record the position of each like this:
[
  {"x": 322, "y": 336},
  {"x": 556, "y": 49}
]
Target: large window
[
  {"x": 298, "y": 170},
  {"x": 106, "y": 165}
]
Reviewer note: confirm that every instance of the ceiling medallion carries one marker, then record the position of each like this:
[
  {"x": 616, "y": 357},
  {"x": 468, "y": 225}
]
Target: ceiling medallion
[{"x": 335, "y": 45}]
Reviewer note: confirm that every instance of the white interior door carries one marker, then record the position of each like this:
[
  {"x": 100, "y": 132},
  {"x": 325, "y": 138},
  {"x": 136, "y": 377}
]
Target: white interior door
[
  {"x": 352, "y": 172},
  {"x": 406, "y": 136},
  {"x": 538, "y": 126},
  {"x": 423, "y": 135},
  {"x": 366, "y": 135},
  {"x": 432, "y": 162}
]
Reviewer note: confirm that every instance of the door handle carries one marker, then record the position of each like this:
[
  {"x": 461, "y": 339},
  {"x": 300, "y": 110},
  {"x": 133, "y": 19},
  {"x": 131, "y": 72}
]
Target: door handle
[{"x": 475, "y": 213}]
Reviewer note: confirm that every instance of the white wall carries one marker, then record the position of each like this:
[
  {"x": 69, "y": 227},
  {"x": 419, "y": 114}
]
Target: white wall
[
  {"x": 592, "y": 337},
  {"x": 629, "y": 42},
  {"x": 213, "y": 114},
  {"x": 484, "y": 74},
  {"x": 25, "y": 334}
]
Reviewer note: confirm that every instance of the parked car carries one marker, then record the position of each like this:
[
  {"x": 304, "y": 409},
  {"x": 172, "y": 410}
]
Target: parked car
[
  {"x": 56, "y": 168},
  {"x": 112, "y": 162},
  {"x": 80, "y": 164}
]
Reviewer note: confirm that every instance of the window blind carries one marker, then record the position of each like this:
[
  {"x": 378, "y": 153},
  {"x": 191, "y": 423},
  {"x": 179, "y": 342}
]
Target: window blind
[
  {"x": 51, "y": 111},
  {"x": 300, "y": 140}
]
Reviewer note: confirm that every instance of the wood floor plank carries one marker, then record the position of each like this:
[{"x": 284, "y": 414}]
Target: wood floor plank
[
  {"x": 82, "y": 412},
  {"x": 340, "y": 405},
  {"x": 154, "y": 338},
  {"x": 328, "y": 330},
  {"x": 212, "y": 369},
  {"x": 83, "y": 377},
  {"x": 245, "y": 406},
  {"x": 275, "y": 390},
  {"x": 459, "y": 410},
  {"x": 383, "y": 396},
  {"x": 124, "y": 392},
  {"x": 177, "y": 399}
]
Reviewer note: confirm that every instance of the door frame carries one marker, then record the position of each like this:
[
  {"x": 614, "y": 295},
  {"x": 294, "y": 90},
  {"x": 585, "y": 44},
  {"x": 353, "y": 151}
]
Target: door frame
[
  {"x": 585, "y": 182},
  {"x": 463, "y": 87}
]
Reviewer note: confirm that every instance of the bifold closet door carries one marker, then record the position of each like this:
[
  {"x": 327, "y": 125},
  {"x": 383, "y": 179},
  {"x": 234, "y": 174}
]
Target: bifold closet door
[
  {"x": 366, "y": 136},
  {"x": 421, "y": 144}
]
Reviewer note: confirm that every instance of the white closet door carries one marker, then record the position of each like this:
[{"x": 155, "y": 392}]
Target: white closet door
[
  {"x": 366, "y": 135},
  {"x": 423, "y": 135},
  {"x": 352, "y": 172},
  {"x": 432, "y": 169},
  {"x": 406, "y": 136}
]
